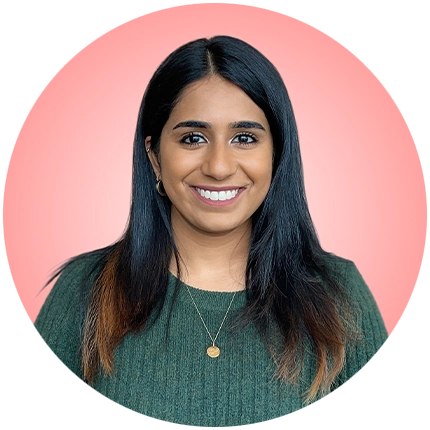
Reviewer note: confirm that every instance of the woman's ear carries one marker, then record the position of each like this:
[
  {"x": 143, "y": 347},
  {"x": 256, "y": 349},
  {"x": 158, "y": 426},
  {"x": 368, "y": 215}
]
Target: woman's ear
[{"x": 153, "y": 157}]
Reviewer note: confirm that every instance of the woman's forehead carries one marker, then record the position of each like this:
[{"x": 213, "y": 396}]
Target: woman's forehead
[{"x": 216, "y": 101}]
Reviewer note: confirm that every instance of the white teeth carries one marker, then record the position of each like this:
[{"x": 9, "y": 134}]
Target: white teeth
[{"x": 215, "y": 195}]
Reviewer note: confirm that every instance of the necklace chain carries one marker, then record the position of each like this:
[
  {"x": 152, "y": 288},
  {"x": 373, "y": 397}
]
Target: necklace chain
[{"x": 213, "y": 339}]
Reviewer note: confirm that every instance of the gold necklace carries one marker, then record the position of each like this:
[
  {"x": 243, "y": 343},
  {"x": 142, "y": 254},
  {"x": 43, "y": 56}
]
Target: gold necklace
[{"x": 213, "y": 351}]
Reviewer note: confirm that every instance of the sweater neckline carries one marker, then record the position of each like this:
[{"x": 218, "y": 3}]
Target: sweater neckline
[{"x": 205, "y": 299}]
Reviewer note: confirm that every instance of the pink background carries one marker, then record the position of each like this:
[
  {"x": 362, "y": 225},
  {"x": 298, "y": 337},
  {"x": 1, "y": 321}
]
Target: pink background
[{"x": 68, "y": 184}]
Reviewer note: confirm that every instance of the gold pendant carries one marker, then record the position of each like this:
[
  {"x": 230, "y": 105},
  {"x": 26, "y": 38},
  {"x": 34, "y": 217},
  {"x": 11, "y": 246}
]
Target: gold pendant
[{"x": 213, "y": 351}]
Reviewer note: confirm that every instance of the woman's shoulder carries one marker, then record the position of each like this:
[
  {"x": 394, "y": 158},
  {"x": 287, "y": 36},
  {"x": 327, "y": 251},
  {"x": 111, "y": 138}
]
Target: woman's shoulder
[
  {"x": 369, "y": 317},
  {"x": 72, "y": 281},
  {"x": 60, "y": 319},
  {"x": 80, "y": 270},
  {"x": 338, "y": 264},
  {"x": 346, "y": 273},
  {"x": 82, "y": 267}
]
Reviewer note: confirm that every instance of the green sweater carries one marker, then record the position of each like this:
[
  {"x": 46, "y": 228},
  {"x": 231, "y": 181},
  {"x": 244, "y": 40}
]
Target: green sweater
[{"x": 173, "y": 379}]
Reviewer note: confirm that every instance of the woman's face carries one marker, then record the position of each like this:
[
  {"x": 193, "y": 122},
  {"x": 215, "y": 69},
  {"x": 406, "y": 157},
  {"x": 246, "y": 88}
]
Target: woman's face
[{"x": 215, "y": 157}]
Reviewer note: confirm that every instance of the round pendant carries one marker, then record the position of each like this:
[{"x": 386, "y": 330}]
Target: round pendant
[{"x": 213, "y": 351}]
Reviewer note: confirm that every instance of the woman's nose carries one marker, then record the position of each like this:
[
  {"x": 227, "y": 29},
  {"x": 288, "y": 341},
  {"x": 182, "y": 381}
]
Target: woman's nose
[{"x": 219, "y": 162}]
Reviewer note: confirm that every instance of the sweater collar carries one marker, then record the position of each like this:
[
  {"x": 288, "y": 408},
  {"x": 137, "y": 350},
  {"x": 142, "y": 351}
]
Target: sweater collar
[{"x": 210, "y": 300}]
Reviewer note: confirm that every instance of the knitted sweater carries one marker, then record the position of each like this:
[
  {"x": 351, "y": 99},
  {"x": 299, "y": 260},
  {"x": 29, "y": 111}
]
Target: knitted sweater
[{"x": 167, "y": 374}]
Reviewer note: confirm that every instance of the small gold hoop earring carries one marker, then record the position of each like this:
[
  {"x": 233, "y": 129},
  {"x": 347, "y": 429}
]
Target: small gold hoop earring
[{"x": 160, "y": 188}]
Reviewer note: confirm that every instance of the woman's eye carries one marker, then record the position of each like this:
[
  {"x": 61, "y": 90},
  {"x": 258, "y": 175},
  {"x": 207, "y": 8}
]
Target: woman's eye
[
  {"x": 244, "y": 139},
  {"x": 193, "y": 139}
]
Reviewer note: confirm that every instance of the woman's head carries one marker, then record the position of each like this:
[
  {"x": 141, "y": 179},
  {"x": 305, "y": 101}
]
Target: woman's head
[{"x": 233, "y": 62}]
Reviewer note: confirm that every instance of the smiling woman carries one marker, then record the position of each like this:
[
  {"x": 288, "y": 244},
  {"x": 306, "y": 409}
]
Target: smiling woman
[{"x": 218, "y": 306}]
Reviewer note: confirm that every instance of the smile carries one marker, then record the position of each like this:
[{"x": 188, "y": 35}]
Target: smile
[{"x": 218, "y": 195}]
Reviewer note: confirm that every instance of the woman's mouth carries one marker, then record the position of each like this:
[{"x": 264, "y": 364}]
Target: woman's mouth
[
  {"x": 218, "y": 195},
  {"x": 218, "y": 198}
]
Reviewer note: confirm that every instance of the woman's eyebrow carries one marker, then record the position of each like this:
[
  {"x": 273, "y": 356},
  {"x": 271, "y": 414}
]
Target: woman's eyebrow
[
  {"x": 203, "y": 124},
  {"x": 247, "y": 124}
]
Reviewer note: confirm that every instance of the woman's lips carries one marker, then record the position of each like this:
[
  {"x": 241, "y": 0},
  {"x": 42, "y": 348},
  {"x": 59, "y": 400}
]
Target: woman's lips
[{"x": 218, "y": 196}]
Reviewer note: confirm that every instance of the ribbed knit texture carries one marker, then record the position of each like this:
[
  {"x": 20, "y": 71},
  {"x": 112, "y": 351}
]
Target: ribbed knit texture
[{"x": 167, "y": 374}]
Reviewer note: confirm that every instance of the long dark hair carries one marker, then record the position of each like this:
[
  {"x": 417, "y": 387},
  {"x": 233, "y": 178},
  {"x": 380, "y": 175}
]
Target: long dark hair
[{"x": 288, "y": 280}]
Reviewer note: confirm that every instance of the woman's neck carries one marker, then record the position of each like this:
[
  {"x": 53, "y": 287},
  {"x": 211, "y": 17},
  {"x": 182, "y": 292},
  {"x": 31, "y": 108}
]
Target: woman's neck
[{"x": 211, "y": 261}]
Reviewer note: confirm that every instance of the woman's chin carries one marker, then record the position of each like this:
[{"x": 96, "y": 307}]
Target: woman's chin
[{"x": 220, "y": 228}]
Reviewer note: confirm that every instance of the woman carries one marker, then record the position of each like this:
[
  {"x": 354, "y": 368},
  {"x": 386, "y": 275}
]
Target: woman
[{"x": 218, "y": 306}]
